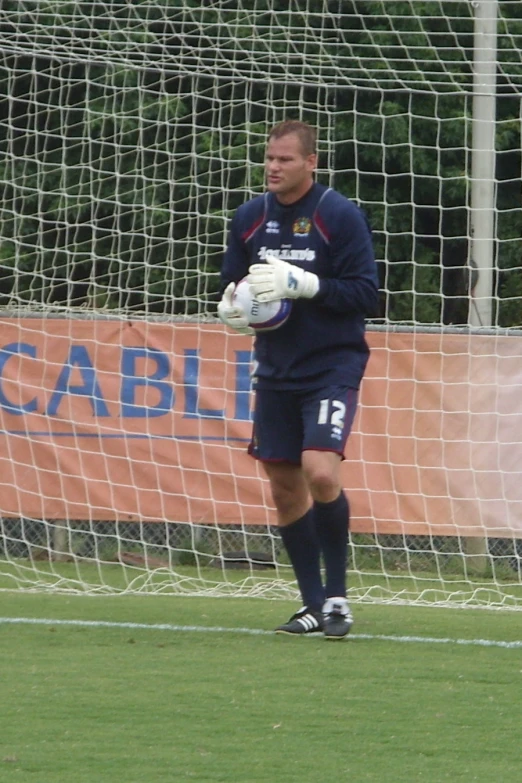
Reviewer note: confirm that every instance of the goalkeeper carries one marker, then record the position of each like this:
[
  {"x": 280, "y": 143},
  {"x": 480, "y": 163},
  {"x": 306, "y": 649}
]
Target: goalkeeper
[{"x": 304, "y": 241}]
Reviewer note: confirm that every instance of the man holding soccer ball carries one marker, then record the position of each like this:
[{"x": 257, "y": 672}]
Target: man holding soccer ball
[{"x": 306, "y": 242}]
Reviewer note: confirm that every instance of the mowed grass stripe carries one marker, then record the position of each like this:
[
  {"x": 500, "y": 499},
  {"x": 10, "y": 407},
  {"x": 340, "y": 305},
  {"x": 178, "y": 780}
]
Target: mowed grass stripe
[{"x": 517, "y": 644}]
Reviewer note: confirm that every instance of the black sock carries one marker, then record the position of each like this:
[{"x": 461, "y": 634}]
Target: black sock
[
  {"x": 331, "y": 523},
  {"x": 302, "y": 545}
]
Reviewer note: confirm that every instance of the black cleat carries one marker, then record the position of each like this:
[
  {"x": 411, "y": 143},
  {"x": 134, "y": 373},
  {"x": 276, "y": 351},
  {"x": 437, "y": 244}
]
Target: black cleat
[
  {"x": 304, "y": 621},
  {"x": 338, "y": 618}
]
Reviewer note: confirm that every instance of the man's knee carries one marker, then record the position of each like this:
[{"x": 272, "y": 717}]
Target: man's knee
[
  {"x": 289, "y": 491},
  {"x": 322, "y": 474},
  {"x": 285, "y": 500},
  {"x": 323, "y": 487}
]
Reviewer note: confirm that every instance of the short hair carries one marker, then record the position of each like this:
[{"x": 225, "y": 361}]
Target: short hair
[{"x": 305, "y": 132}]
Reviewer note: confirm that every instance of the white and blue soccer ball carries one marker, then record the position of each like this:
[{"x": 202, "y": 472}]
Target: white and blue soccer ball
[{"x": 262, "y": 316}]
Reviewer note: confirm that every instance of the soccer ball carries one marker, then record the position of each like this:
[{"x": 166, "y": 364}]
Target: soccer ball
[{"x": 262, "y": 316}]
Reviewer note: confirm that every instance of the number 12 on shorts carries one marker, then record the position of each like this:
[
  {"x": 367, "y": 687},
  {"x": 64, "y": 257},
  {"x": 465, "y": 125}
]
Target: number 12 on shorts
[{"x": 332, "y": 412}]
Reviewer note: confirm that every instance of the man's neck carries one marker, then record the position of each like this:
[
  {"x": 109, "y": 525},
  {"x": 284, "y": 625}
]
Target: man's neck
[{"x": 292, "y": 200}]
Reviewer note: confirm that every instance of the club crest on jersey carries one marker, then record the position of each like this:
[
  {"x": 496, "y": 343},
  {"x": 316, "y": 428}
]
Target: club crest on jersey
[{"x": 302, "y": 226}]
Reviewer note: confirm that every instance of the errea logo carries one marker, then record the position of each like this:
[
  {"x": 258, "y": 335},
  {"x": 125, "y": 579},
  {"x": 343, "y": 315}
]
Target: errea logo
[{"x": 272, "y": 227}]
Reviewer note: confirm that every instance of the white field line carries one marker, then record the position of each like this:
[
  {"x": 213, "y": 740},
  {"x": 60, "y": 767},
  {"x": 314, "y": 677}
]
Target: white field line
[{"x": 515, "y": 645}]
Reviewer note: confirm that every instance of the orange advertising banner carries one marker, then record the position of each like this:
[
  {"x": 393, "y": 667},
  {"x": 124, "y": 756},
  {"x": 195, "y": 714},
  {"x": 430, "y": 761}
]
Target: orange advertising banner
[{"x": 149, "y": 421}]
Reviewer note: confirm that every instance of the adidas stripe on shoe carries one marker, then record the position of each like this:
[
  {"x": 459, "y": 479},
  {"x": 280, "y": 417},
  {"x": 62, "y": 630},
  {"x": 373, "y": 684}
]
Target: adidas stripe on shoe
[{"x": 304, "y": 621}]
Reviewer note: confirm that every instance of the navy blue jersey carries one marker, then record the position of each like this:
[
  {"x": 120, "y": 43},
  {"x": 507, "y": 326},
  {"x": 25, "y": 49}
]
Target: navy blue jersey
[{"x": 323, "y": 342}]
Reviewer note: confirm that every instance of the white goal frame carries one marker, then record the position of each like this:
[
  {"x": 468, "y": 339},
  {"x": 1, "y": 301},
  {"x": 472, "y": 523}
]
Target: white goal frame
[{"x": 129, "y": 134}]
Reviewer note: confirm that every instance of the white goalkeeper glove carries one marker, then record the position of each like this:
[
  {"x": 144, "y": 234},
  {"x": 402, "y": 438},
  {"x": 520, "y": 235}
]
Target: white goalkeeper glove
[
  {"x": 232, "y": 315},
  {"x": 280, "y": 280}
]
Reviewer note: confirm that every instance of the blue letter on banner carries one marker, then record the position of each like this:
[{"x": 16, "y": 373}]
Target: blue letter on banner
[
  {"x": 191, "y": 380},
  {"x": 5, "y": 354},
  {"x": 78, "y": 357},
  {"x": 243, "y": 385},
  {"x": 131, "y": 381}
]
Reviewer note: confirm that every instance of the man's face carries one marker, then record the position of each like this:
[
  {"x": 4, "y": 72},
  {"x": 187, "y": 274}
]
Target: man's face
[{"x": 289, "y": 173}]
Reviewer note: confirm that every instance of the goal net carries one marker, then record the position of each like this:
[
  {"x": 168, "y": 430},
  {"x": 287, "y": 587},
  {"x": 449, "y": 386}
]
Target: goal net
[{"x": 129, "y": 134}]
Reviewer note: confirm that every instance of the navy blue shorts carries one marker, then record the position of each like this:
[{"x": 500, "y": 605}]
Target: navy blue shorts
[{"x": 286, "y": 423}]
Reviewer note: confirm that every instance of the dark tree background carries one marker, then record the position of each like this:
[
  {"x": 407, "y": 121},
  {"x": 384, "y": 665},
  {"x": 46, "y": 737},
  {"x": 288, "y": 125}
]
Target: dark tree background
[{"x": 128, "y": 138}]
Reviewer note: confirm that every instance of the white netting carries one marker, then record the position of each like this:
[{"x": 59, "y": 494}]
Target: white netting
[{"x": 129, "y": 133}]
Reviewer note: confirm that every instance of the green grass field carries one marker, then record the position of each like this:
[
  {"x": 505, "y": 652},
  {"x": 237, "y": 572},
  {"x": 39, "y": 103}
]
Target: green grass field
[{"x": 217, "y": 697}]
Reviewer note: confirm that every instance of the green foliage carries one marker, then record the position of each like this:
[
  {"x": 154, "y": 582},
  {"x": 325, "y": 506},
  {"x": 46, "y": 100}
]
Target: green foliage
[{"x": 118, "y": 178}]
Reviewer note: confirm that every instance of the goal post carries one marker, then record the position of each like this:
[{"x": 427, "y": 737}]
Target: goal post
[
  {"x": 483, "y": 191},
  {"x": 129, "y": 134}
]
